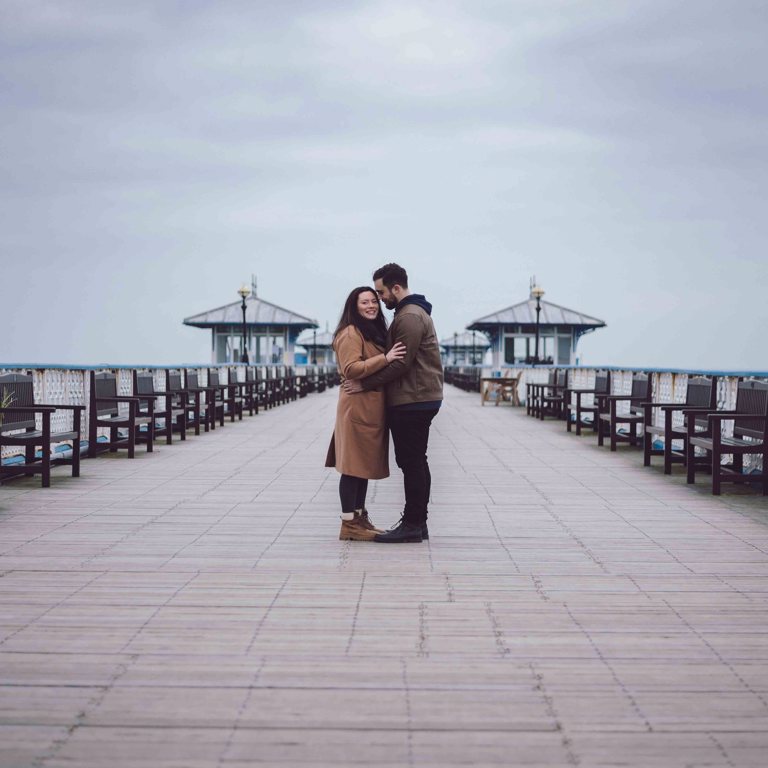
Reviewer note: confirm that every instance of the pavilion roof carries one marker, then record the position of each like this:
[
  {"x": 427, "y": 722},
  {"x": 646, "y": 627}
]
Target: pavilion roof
[
  {"x": 525, "y": 312},
  {"x": 257, "y": 313},
  {"x": 322, "y": 339}
]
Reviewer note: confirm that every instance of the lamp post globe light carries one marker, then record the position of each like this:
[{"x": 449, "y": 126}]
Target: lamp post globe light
[
  {"x": 244, "y": 293},
  {"x": 537, "y": 292}
]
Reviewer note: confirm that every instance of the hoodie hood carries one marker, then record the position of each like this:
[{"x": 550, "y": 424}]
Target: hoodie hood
[{"x": 415, "y": 298}]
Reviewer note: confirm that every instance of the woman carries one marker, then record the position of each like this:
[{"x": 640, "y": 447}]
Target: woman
[{"x": 360, "y": 444}]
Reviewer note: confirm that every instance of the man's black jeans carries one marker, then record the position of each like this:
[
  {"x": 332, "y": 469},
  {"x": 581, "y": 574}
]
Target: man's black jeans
[{"x": 410, "y": 435}]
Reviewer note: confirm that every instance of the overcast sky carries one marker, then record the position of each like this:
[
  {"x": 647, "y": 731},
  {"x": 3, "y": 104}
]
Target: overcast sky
[{"x": 155, "y": 154}]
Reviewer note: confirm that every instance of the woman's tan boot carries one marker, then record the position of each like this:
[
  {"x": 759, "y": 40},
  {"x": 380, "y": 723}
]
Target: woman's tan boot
[
  {"x": 366, "y": 521},
  {"x": 352, "y": 528}
]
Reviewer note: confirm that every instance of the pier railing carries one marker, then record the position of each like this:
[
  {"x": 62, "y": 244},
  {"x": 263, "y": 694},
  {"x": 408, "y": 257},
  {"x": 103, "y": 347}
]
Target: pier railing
[
  {"x": 669, "y": 385},
  {"x": 70, "y": 385}
]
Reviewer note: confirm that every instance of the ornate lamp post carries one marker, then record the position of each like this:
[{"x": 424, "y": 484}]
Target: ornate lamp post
[
  {"x": 455, "y": 351},
  {"x": 314, "y": 346},
  {"x": 244, "y": 293},
  {"x": 537, "y": 292},
  {"x": 474, "y": 360}
]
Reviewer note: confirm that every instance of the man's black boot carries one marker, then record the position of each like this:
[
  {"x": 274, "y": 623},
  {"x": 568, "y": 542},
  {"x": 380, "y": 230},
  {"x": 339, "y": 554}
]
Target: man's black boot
[{"x": 402, "y": 534}]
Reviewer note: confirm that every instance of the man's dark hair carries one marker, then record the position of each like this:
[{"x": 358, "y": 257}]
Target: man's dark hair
[{"x": 392, "y": 274}]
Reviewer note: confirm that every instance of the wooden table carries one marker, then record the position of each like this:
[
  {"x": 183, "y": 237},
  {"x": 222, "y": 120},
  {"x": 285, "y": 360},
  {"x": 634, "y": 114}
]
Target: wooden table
[{"x": 504, "y": 389}]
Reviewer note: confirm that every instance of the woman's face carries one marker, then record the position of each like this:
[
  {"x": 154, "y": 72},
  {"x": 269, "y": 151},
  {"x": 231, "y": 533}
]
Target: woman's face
[{"x": 368, "y": 305}]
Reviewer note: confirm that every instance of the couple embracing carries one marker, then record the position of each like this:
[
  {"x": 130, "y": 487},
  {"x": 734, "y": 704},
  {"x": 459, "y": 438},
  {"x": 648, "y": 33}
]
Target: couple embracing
[{"x": 392, "y": 381}]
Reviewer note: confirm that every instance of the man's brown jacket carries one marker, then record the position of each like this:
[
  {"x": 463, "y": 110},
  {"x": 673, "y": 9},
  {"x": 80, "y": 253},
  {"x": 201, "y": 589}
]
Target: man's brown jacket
[{"x": 417, "y": 377}]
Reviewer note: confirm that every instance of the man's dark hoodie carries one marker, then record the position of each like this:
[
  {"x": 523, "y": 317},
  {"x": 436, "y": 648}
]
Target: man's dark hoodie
[{"x": 417, "y": 378}]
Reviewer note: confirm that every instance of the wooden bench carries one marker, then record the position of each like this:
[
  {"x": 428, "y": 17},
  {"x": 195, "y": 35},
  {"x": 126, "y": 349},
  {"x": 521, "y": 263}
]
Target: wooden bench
[
  {"x": 534, "y": 390},
  {"x": 291, "y": 383},
  {"x": 104, "y": 411},
  {"x": 200, "y": 412},
  {"x": 303, "y": 383},
  {"x": 332, "y": 377},
  {"x": 575, "y": 411},
  {"x": 263, "y": 388},
  {"x": 320, "y": 379},
  {"x": 164, "y": 406},
  {"x": 227, "y": 400},
  {"x": 700, "y": 396},
  {"x": 281, "y": 385},
  {"x": 18, "y": 428},
  {"x": 551, "y": 400},
  {"x": 235, "y": 399},
  {"x": 608, "y": 423},
  {"x": 179, "y": 400},
  {"x": 467, "y": 378},
  {"x": 248, "y": 390},
  {"x": 750, "y": 437}
]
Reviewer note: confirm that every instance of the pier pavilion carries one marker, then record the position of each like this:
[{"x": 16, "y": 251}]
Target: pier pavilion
[
  {"x": 271, "y": 331},
  {"x": 512, "y": 332},
  {"x": 318, "y": 346},
  {"x": 466, "y": 348}
]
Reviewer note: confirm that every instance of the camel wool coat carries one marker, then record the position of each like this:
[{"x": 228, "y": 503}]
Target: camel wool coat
[{"x": 360, "y": 442}]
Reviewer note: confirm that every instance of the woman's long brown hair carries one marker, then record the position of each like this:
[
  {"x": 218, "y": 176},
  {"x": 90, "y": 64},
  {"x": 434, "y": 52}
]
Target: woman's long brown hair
[{"x": 373, "y": 330}]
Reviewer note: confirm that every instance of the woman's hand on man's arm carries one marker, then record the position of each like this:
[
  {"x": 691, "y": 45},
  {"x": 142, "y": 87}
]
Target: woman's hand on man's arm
[{"x": 397, "y": 352}]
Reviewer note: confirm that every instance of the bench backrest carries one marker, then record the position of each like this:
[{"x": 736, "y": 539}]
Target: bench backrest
[
  {"x": 702, "y": 392},
  {"x": 250, "y": 374},
  {"x": 562, "y": 378},
  {"x": 641, "y": 390},
  {"x": 213, "y": 378},
  {"x": 104, "y": 385},
  {"x": 173, "y": 381},
  {"x": 751, "y": 397},
  {"x": 144, "y": 387},
  {"x": 603, "y": 383},
  {"x": 552, "y": 378},
  {"x": 193, "y": 381},
  {"x": 21, "y": 390}
]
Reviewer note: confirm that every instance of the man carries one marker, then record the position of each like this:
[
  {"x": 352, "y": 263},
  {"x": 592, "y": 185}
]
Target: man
[{"x": 414, "y": 387}]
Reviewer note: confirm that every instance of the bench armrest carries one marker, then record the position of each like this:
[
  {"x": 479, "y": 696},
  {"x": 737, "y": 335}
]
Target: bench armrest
[
  {"x": 683, "y": 407},
  {"x": 701, "y": 411},
  {"x": 66, "y": 407},
  {"x": 124, "y": 399},
  {"x": 735, "y": 416},
  {"x": 28, "y": 408}
]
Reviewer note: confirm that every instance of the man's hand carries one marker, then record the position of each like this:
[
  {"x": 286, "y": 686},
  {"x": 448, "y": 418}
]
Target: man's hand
[{"x": 352, "y": 387}]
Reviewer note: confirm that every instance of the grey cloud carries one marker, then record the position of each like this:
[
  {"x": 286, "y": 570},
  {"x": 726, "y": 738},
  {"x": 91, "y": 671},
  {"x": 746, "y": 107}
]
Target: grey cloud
[{"x": 158, "y": 153}]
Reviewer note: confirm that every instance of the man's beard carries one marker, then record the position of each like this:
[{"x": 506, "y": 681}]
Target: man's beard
[{"x": 390, "y": 303}]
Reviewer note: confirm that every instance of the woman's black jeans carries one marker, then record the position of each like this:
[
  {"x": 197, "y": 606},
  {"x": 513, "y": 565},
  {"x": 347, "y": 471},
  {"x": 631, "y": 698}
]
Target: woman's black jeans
[{"x": 352, "y": 492}]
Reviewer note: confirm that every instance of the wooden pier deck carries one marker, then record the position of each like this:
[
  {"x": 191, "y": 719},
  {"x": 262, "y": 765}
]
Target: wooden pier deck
[{"x": 194, "y": 608}]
